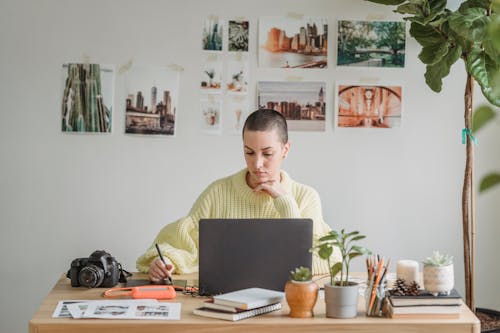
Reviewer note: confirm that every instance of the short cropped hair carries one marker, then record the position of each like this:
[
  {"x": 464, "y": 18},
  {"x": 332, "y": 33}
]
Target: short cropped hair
[{"x": 265, "y": 120}]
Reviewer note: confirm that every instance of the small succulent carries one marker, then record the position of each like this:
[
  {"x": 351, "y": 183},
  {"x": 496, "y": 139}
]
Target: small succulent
[
  {"x": 438, "y": 259},
  {"x": 301, "y": 274}
]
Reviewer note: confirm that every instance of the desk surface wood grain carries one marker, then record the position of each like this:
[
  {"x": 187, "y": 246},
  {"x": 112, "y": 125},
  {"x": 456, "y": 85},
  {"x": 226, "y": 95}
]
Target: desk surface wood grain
[{"x": 278, "y": 321}]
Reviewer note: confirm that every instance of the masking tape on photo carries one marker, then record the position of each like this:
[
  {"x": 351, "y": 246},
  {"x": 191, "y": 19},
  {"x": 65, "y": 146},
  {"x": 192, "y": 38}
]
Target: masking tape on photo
[
  {"x": 86, "y": 58},
  {"x": 294, "y": 78},
  {"x": 375, "y": 17},
  {"x": 213, "y": 17},
  {"x": 238, "y": 56},
  {"x": 175, "y": 67},
  {"x": 238, "y": 98},
  {"x": 126, "y": 67},
  {"x": 212, "y": 57},
  {"x": 239, "y": 19},
  {"x": 297, "y": 16},
  {"x": 369, "y": 80}
]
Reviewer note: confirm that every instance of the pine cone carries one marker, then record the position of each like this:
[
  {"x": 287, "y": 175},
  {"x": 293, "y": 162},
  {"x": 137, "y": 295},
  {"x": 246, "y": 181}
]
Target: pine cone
[
  {"x": 400, "y": 288},
  {"x": 414, "y": 289}
]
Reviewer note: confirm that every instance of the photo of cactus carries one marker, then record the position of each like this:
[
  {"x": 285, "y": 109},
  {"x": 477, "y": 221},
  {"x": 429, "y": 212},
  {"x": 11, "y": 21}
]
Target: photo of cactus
[
  {"x": 87, "y": 98},
  {"x": 212, "y": 34}
]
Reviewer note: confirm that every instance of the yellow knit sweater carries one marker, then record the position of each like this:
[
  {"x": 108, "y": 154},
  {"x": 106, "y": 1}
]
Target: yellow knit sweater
[{"x": 231, "y": 197}]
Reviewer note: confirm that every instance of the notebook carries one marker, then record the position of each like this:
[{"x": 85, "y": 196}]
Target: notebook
[{"x": 236, "y": 254}]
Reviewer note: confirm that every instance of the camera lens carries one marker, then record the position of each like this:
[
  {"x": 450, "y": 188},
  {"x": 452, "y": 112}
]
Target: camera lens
[{"x": 91, "y": 276}]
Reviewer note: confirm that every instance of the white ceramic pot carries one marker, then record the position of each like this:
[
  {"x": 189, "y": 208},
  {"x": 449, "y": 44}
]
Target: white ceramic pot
[
  {"x": 341, "y": 302},
  {"x": 439, "y": 279}
]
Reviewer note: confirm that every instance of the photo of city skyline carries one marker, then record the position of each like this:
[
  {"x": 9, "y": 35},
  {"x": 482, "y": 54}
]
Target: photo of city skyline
[
  {"x": 151, "y": 102},
  {"x": 366, "y": 106},
  {"x": 302, "y": 103},
  {"x": 293, "y": 43}
]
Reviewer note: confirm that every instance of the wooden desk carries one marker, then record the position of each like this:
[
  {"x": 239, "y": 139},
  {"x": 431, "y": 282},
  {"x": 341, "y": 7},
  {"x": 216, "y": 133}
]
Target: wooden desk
[{"x": 277, "y": 321}]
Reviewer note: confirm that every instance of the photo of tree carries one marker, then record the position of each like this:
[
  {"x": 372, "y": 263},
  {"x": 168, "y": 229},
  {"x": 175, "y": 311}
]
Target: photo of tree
[
  {"x": 238, "y": 36},
  {"x": 302, "y": 103},
  {"x": 369, "y": 106},
  {"x": 212, "y": 34},
  {"x": 87, "y": 98},
  {"x": 286, "y": 42},
  {"x": 371, "y": 43}
]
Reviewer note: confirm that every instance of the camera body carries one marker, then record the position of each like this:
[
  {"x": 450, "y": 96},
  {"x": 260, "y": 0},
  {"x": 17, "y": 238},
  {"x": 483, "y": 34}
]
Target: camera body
[{"x": 100, "y": 269}]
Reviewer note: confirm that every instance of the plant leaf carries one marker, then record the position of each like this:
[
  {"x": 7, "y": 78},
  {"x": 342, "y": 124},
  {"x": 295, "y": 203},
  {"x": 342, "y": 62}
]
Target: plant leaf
[
  {"x": 481, "y": 116},
  {"x": 436, "y": 72},
  {"x": 387, "y": 2},
  {"x": 336, "y": 268},
  {"x": 494, "y": 29},
  {"x": 426, "y": 35},
  {"x": 485, "y": 4},
  {"x": 484, "y": 69},
  {"x": 472, "y": 24},
  {"x": 433, "y": 53},
  {"x": 325, "y": 252},
  {"x": 358, "y": 238},
  {"x": 489, "y": 181},
  {"x": 409, "y": 8}
]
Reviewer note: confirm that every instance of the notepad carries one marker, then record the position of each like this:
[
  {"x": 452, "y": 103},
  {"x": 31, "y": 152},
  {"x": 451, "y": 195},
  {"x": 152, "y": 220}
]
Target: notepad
[
  {"x": 249, "y": 298},
  {"x": 212, "y": 313}
]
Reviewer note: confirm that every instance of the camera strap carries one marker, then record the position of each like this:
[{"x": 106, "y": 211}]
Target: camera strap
[{"x": 123, "y": 274}]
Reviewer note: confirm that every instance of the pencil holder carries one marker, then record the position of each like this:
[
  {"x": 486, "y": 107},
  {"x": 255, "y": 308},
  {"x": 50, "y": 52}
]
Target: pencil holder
[{"x": 374, "y": 299}]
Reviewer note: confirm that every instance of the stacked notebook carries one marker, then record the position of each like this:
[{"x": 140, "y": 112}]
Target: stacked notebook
[
  {"x": 425, "y": 305},
  {"x": 241, "y": 304}
]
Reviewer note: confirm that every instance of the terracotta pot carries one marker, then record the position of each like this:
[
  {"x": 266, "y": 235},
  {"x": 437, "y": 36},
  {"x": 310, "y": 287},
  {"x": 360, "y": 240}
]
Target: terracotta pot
[{"x": 301, "y": 298}]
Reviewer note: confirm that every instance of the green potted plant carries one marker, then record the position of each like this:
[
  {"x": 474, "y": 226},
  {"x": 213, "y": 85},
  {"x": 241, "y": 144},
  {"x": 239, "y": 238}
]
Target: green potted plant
[
  {"x": 438, "y": 274},
  {"x": 301, "y": 293},
  {"x": 341, "y": 295},
  {"x": 469, "y": 33}
]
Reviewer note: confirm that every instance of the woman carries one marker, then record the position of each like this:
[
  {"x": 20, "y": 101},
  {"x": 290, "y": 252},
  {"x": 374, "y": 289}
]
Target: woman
[{"x": 261, "y": 190}]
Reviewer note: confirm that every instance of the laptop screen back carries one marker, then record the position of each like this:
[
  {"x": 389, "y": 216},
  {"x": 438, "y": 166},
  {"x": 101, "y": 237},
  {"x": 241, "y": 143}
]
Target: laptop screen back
[{"x": 243, "y": 253}]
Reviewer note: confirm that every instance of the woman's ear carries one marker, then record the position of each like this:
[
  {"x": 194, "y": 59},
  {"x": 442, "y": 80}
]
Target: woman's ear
[{"x": 286, "y": 149}]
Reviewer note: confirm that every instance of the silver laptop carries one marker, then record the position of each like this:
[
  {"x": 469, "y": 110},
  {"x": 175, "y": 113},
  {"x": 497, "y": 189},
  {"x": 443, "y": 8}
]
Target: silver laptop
[{"x": 243, "y": 253}]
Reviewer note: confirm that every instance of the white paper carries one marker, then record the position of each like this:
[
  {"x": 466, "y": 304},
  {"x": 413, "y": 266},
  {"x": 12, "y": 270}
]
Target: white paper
[
  {"x": 62, "y": 310},
  {"x": 133, "y": 309}
]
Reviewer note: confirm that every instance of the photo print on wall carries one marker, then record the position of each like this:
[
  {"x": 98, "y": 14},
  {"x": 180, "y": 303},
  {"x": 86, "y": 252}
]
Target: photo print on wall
[
  {"x": 371, "y": 43},
  {"x": 238, "y": 35},
  {"x": 302, "y": 103},
  {"x": 237, "y": 74},
  {"x": 87, "y": 98},
  {"x": 288, "y": 42},
  {"x": 151, "y": 102},
  {"x": 211, "y": 107},
  {"x": 212, "y": 34},
  {"x": 235, "y": 111},
  {"x": 365, "y": 106},
  {"x": 211, "y": 74}
]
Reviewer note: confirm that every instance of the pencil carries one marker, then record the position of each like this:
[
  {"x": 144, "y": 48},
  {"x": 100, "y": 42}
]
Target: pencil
[
  {"x": 163, "y": 261},
  {"x": 377, "y": 280}
]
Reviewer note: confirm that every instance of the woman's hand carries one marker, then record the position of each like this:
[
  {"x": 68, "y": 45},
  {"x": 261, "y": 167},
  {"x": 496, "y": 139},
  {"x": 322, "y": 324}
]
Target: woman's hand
[
  {"x": 158, "y": 271},
  {"x": 272, "y": 188}
]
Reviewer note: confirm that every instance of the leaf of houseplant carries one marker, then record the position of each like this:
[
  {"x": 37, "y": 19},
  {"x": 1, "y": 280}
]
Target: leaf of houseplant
[
  {"x": 426, "y": 35},
  {"x": 325, "y": 252},
  {"x": 481, "y": 116},
  {"x": 336, "y": 268},
  {"x": 484, "y": 69},
  {"x": 472, "y": 24},
  {"x": 436, "y": 72},
  {"x": 388, "y": 2},
  {"x": 489, "y": 181},
  {"x": 474, "y": 4},
  {"x": 431, "y": 54}
]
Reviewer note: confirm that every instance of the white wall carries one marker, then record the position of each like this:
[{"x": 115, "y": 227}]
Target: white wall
[{"x": 63, "y": 196}]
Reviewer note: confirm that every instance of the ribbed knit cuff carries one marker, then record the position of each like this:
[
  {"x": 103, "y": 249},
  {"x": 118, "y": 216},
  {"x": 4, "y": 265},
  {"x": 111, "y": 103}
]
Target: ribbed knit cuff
[{"x": 287, "y": 206}]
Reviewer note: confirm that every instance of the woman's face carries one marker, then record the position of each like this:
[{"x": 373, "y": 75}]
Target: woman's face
[{"x": 264, "y": 153}]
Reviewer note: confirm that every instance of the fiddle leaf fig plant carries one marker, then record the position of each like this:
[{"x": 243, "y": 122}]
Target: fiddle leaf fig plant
[
  {"x": 469, "y": 33},
  {"x": 344, "y": 241}
]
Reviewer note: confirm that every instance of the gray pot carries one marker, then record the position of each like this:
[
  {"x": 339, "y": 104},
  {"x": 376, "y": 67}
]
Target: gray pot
[{"x": 342, "y": 302}]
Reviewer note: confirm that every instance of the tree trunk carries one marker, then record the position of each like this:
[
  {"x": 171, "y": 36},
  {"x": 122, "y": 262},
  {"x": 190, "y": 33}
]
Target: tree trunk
[{"x": 468, "y": 200}]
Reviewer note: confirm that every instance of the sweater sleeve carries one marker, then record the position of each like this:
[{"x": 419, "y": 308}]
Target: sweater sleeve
[
  {"x": 178, "y": 241},
  {"x": 311, "y": 208}
]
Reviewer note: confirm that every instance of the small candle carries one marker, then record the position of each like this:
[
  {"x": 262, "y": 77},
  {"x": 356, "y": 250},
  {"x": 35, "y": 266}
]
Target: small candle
[{"x": 407, "y": 270}]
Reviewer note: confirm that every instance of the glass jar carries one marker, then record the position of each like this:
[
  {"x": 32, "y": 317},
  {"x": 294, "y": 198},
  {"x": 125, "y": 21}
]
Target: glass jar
[{"x": 374, "y": 299}]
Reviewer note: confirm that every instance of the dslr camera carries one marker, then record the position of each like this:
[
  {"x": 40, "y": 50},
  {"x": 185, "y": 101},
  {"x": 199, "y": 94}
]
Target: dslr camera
[{"x": 100, "y": 269}]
